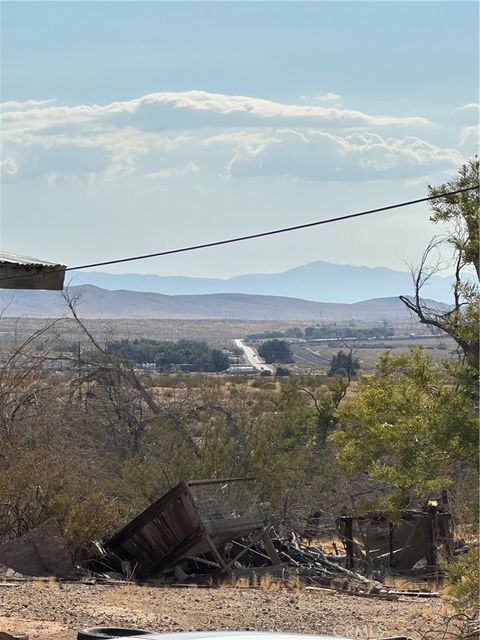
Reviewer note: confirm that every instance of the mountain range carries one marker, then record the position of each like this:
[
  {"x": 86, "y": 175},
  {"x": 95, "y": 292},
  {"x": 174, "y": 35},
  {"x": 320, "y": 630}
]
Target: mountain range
[
  {"x": 94, "y": 302},
  {"x": 318, "y": 281}
]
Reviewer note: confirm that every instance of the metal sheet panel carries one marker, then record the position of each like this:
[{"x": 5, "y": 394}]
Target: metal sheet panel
[{"x": 23, "y": 272}]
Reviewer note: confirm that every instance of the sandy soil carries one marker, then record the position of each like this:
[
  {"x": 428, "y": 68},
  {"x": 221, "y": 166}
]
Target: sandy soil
[{"x": 56, "y": 611}]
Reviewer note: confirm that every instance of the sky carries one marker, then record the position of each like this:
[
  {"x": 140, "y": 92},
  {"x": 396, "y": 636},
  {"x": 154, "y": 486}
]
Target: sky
[{"x": 135, "y": 127}]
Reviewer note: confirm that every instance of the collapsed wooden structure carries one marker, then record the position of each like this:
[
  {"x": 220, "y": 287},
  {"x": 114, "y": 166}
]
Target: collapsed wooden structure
[
  {"x": 193, "y": 521},
  {"x": 214, "y": 526},
  {"x": 413, "y": 542}
]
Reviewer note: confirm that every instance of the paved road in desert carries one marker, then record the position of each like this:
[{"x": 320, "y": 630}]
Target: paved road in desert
[{"x": 253, "y": 358}]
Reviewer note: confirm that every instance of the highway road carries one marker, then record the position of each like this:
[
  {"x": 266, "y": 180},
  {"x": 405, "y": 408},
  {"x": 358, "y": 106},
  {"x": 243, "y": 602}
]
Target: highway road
[
  {"x": 252, "y": 357},
  {"x": 303, "y": 352}
]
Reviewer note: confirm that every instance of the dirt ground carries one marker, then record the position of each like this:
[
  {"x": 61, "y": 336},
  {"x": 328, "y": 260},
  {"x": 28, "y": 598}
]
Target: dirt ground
[{"x": 57, "y": 610}]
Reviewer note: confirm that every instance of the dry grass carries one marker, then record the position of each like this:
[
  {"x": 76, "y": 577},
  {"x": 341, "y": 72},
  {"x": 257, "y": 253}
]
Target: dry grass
[
  {"x": 267, "y": 583},
  {"x": 239, "y": 583},
  {"x": 215, "y": 332},
  {"x": 295, "y": 583},
  {"x": 38, "y": 585},
  {"x": 368, "y": 352},
  {"x": 407, "y": 583},
  {"x": 123, "y": 594},
  {"x": 52, "y": 583}
]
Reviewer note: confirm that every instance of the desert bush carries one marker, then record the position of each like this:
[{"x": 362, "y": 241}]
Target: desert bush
[
  {"x": 462, "y": 581},
  {"x": 98, "y": 443}
]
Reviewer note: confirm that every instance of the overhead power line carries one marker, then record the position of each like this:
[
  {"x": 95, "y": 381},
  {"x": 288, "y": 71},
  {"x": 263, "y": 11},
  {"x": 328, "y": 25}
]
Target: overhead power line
[{"x": 253, "y": 236}]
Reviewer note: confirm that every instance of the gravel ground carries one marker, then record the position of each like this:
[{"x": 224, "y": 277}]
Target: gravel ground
[{"x": 57, "y": 610}]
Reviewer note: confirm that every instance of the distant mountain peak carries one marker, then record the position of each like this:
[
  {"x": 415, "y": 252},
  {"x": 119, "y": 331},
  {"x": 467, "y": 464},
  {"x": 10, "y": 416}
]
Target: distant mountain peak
[{"x": 317, "y": 281}]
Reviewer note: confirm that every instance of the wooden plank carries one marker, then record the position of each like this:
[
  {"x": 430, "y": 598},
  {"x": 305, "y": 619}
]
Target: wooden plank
[
  {"x": 361, "y": 594},
  {"x": 193, "y": 483},
  {"x": 233, "y": 527},
  {"x": 216, "y": 553},
  {"x": 204, "y": 561},
  {"x": 272, "y": 552},
  {"x": 149, "y": 514}
]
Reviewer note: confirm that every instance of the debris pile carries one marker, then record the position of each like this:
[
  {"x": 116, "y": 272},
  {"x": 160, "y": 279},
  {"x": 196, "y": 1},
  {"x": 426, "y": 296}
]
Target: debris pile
[
  {"x": 213, "y": 528},
  {"x": 192, "y": 522},
  {"x": 205, "y": 530},
  {"x": 411, "y": 544},
  {"x": 317, "y": 567}
]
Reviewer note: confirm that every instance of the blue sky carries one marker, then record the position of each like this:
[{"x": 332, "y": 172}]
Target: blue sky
[{"x": 130, "y": 127}]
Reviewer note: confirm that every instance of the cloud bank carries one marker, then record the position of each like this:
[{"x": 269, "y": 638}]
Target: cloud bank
[
  {"x": 171, "y": 135},
  {"x": 317, "y": 155}
]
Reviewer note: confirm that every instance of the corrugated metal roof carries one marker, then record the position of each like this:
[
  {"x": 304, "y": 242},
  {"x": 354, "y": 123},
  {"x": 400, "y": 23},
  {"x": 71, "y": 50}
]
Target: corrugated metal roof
[
  {"x": 15, "y": 258},
  {"x": 24, "y": 272}
]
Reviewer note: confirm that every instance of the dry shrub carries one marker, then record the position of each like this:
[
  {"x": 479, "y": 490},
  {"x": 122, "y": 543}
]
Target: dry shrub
[
  {"x": 242, "y": 582},
  {"x": 87, "y": 513},
  {"x": 295, "y": 583},
  {"x": 52, "y": 583},
  {"x": 123, "y": 594},
  {"x": 261, "y": 383},
  {"x": 462, "y": 580},
  {"x": 42, "y": 483},
  {"x": 267, "y": 583}
]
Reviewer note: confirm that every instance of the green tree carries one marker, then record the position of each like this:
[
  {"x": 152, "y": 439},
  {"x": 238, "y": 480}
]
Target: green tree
[
  {"x": 220, "y": 361},
  {"x": 280, "y": 444},
  {"x": 164, "y": 354},
  {"x": 276, "y": 351},
  {"x": 462, "y": 213},
  {"x": 326, "y": 402},
  {"x": 463, "y": 210},
  {"x": 344, "y": 364},
  {"x": 407, "y": 428},
  {"x": 282, "y": 371}
]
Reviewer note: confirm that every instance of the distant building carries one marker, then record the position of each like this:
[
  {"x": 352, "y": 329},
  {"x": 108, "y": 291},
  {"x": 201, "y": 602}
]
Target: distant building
[
  {"x": 241, "y": 368},
  {"x": 147, "y": 366}
]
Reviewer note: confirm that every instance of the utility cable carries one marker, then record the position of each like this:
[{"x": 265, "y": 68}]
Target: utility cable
[{"x": 252, "y": 236}]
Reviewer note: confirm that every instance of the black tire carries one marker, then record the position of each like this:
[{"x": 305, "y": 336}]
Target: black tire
[{"x": 102, "y": 633}]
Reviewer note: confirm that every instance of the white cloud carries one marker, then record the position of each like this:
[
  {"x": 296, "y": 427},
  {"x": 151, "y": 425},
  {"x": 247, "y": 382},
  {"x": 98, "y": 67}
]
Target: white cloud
[
  {"x": 468, "y": 106},
  {"x": 331, "y": 98},
  {"x": 187, "y": 110},
  {"x": 190, "y": 167},
  {"x": 470, "y": 135},
  {"x": 316, "y": 155},
  {"x": 109, "y": 151},
  {"x": 28, "y": 162},
  {"x": 17, "y": 105},
  {"x": 9, "y": 167},
  {"x": 169, "y": 135}
]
